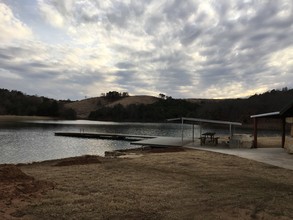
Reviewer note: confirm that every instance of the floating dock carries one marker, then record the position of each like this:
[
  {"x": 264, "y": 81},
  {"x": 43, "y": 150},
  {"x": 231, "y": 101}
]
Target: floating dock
[
  {"x": 111, "y": 136},
  {"x": 143, "y": 140}
]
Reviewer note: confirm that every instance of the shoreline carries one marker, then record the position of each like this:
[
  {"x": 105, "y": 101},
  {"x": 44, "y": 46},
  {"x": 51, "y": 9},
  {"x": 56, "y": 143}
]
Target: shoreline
[
  {"x": 114, "y": 154},
  {"x": 271, "y": 126},
  {"x": 15, "y": 118},
  {"x": 264, "y": 142}
]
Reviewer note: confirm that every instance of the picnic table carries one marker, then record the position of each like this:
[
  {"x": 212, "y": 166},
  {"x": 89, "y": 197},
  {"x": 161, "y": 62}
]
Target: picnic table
[{"x": 208, "y": 137}]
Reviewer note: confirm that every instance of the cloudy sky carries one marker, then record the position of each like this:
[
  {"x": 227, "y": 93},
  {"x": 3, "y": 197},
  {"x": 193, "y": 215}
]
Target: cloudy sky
[{"x": 182, "y": 48}]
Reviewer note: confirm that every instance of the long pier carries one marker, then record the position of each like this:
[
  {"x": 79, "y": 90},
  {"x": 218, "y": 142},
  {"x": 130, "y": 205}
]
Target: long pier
[{"x": 111, "y": 136}]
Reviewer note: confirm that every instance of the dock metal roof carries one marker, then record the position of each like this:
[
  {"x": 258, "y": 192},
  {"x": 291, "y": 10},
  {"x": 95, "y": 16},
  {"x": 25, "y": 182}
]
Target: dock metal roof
[{"x": 183, "y": 119}]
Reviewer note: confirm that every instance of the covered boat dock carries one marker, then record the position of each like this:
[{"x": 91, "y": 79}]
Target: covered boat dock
[
  {"x": 181, "y": 141},
  {"x": 200, "y": 122}
]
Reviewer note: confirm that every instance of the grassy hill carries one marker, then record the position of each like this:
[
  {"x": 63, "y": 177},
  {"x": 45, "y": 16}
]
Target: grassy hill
[
  {"x": 136, "y": 100},
  {"x": 83, "y": 108}
]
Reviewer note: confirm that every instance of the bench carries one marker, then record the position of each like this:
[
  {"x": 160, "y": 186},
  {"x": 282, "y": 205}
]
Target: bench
[
  {"x": 216, "y": 140},
  {"x": 202, "y": 140}
]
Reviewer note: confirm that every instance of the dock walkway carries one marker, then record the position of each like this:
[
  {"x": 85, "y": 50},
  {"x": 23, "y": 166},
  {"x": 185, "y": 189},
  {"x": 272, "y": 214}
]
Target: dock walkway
[
  {"x": 144, "y": 140},
  {"x": 111, "y": 136}
]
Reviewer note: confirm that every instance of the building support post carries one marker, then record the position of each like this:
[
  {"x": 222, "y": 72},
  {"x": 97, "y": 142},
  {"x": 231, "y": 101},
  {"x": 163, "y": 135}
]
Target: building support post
[
  {"x": 255, "y": 133},
  {"x": 283, "y": 131}
]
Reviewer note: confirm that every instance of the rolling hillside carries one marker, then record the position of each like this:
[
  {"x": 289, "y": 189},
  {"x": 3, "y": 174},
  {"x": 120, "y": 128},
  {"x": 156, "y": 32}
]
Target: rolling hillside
[
  {"x": 84, "y": 107},
  {"x": 122, "y": 107}
]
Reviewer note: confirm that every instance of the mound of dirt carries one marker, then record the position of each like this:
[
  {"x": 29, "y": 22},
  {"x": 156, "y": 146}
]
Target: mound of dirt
[
  {"x": 10, "y": 173},
  {"x": 87, "y": 159},
  {"x": 17, "y": 189},
  {"x": 15, "y": 183}
]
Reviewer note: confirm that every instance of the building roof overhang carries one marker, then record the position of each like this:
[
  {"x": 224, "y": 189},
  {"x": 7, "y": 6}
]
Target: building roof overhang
[
  {"x": 265, "y": 115},
  {"x": 287, "y": 111}
]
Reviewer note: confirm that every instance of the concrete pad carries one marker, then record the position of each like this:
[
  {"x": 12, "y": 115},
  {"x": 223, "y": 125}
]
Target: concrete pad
[{"x": 273, "y": 156}]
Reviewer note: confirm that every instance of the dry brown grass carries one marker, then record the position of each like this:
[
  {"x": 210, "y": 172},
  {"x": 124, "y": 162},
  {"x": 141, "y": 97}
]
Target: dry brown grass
[
  {"x": 175, "y": 185},
  {"x": 84, "y": 107},
  {"x": 146, "y": 100}
]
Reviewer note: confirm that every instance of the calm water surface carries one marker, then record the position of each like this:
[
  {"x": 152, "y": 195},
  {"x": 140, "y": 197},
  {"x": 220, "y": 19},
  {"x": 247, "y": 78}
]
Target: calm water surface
[{"x": 22, "y": 142}]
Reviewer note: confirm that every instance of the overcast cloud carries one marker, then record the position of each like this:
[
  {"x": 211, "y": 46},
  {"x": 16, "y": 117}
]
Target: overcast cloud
[{"x": 191, "y": 48}]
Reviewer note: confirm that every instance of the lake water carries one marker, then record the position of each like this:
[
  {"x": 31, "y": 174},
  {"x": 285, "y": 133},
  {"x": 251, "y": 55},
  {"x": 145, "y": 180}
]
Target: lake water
[{"x": 22, "y": 142}]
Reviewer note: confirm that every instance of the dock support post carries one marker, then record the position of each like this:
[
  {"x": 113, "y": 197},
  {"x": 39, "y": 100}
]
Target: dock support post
[
  {"x": 192, "y": 132},
  {"x": 200, "y": 129},
  {"x": 182, "y": 130}
]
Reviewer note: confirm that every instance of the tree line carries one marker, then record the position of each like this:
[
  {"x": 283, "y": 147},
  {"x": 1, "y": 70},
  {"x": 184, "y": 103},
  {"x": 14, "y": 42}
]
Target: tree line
[
  {"x": 241, "y": 109},
  {"x": 114, "y": 95},
  {"x": 16, "y": 103},
  {"x": 238, "y": 110}
]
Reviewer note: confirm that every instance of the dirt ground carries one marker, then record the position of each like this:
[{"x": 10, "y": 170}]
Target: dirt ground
[{"x": 181, "y": 184}]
